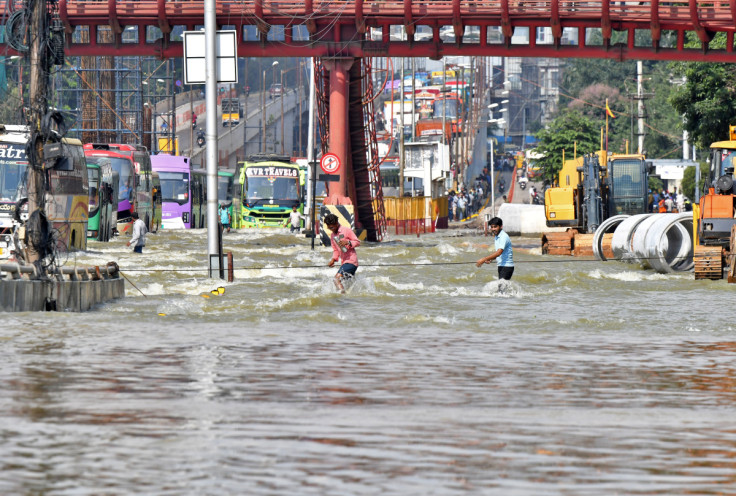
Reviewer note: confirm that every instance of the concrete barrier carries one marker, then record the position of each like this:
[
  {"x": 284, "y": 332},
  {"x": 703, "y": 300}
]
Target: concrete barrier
[
  {"x": 520, "y": 219},
  {"x": 77, "y": 295}
]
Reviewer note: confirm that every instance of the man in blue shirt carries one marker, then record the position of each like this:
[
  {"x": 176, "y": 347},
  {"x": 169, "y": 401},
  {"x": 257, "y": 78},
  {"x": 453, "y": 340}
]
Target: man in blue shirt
[{"x": 503, "y": 251}]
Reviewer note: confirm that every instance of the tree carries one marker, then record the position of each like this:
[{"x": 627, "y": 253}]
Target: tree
[
  {"x": 689, "y": 183},
  {"x": 563, "y": 133},
  {"x": 707, "y": 97}
]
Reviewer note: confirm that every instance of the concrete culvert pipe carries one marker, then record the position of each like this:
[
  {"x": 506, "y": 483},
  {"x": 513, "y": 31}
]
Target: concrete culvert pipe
[
  {"x": 607, "y": 226},
  {"x": 621, "y": 243},
  {"x": 639, "y": 240},
  {"x": 669, "y": 243}
]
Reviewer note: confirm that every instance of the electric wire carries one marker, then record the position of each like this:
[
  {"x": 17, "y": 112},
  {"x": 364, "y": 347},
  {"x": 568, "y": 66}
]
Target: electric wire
[{"x": 407, "y": 264}]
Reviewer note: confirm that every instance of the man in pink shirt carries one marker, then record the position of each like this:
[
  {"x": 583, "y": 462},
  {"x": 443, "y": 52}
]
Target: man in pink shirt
[{"x": 344, "y": 241}]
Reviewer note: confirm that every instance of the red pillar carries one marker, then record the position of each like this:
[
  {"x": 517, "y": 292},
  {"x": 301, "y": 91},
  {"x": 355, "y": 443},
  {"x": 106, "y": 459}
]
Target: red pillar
[{"x": 339, "y": 128}]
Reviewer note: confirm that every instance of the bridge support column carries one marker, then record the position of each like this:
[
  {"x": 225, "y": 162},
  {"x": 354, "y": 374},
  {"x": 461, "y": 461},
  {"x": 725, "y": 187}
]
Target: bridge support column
[{"x": 339, "y": 69}]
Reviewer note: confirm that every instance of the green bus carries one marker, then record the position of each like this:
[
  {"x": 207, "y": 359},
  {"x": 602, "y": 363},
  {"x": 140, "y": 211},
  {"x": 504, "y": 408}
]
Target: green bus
[
  {"x": 228, "y": 195},
  {"x": 103, "y": 202},
  {"x": 270, "y": 185}
]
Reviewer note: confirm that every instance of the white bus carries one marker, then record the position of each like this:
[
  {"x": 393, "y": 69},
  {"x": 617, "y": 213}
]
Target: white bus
[{"x": 66, "y": 196}]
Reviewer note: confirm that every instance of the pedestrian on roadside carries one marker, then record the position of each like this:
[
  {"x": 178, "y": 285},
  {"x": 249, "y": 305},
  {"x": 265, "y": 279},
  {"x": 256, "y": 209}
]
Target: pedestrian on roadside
[
  {"x": 139, "y": 234},
  {"x": 224, "y": 217},
  {"x": 295, "y": 219},
  {"x": 462, "y": 203},
  {"x": 503, "y": 254},
  {"x": 344, "y": 242}
]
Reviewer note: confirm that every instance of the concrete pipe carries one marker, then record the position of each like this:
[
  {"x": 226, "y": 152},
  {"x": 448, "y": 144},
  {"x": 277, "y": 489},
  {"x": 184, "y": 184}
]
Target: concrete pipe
[
  {"x": 607, "y": 226},
  {"x": 621, "y": 243},
  {"x": 669, "y": 243},
  {"x": 639, "y": 239}
]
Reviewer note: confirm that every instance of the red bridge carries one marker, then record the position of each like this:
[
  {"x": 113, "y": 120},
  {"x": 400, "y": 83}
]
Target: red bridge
[
  {"x": 344, "y": 35},
  {"x": 340, "y": 28}
]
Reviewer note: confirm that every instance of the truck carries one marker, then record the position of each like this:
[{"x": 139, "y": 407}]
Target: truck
[{"x": 591, "y": 189}]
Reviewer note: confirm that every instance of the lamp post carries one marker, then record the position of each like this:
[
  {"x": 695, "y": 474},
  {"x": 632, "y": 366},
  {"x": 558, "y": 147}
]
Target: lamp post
[
  {"x": 273, "y": 66},
  {"x": 282, "y": 111}
]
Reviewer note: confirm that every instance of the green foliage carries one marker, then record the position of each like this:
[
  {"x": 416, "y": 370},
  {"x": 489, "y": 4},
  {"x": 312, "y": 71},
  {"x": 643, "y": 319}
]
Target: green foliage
[
  {"x": 568, "y": 128},
  {"x": 590, "y": 82},
  {"x": 707, "y": 99},
  {"x": 689, "y": 183},
  {"x": 655, "y": 183}
]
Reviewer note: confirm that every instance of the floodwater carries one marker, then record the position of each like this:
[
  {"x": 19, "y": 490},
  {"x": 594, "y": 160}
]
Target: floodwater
[{"x": 427, "y": 377}]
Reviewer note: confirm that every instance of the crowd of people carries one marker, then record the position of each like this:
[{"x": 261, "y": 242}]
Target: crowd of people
[{"x": 665, "y": 201}]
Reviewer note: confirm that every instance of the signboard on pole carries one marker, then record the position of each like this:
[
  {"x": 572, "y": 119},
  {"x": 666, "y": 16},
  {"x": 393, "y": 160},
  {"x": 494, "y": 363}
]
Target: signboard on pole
[
  {"x": 227, "y": 57},
  {"x": 330, "y": 163}
]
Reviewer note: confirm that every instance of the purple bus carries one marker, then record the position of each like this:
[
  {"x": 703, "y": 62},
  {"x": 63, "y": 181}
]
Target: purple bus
[{"x": 183, "y": 192}]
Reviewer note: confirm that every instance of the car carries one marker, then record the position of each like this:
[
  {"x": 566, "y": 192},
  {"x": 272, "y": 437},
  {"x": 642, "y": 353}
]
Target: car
[{"x": 275, "y": 90}]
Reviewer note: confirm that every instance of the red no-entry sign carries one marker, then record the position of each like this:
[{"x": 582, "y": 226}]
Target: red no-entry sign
[{"x": 330, "y": 163}]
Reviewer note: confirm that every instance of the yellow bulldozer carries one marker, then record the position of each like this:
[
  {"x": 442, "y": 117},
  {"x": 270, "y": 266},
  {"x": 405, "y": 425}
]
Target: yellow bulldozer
[{"x": 591, "y": 189}]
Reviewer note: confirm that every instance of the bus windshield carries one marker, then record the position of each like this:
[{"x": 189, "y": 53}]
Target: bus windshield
[
  {"x": 174, "y": 187},
  {"x": 125, "y": 170},
  {"x": 272, "y": 188},
  {"x": 450, "y": 105},
  {"x": 225, "y": 188},
  {"x": 93, "y": 177},
  {"x": 12, "y": 179}
]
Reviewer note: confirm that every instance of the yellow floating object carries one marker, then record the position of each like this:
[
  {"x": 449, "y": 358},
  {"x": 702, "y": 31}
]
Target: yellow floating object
[
  {"x": 221, "y": 290},
  {"x": 162, "y": 314},
  {"x": 204, "y": 295}
]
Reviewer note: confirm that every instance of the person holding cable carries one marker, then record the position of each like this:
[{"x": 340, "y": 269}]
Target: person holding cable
[
  {"x": 503, "y": 251},
  {"x": 344, "y": 242}
]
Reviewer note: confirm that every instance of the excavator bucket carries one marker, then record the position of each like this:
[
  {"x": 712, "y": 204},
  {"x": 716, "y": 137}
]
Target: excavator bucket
[{"x": 558, "y": 243}]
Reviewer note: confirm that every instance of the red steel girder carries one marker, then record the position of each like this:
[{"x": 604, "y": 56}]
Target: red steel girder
[{"x": 326, "y": 19}]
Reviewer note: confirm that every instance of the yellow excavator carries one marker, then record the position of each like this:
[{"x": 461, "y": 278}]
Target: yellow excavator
[
  {"x": 591, "y": 189},
  {"x": 714, "y": 224}
]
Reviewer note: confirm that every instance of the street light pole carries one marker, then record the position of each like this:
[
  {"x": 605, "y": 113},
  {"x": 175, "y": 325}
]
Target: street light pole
[
  {"x": 282, "y": 112},
  {"x": 263, "y": 113}
]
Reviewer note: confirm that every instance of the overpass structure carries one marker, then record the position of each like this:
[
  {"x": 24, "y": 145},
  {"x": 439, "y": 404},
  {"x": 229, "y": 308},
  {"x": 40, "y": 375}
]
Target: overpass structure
[
  {"x": 345, "y": 35},
  {"x": 361, "y": 28}
]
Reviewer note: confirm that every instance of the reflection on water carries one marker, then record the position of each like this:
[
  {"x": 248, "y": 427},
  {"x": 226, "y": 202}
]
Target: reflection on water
[{"x": 574, "y": 378}]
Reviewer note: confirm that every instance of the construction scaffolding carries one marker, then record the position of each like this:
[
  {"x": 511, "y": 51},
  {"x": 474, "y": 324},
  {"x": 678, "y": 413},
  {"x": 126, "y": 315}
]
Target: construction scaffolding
[{"x": 117, "y": 99}]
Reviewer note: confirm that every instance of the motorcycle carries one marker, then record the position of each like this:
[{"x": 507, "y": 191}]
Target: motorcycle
[
  {"x": 200, "y": 140},
  {"x": 537, "y": 198},
  {"x": 522, "y": 183},
  {"x": 501, "y": 188}
]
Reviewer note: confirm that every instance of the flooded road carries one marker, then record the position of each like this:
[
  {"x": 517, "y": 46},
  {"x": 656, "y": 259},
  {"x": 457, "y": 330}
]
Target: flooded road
[{"x": 577, "y": 378}]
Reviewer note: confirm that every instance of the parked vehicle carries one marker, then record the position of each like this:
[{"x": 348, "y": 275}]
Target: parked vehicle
[{"x": 275, "y": 90}]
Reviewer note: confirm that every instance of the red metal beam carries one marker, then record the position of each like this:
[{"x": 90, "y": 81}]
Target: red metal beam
[
  {"x": 417, "y": 49},
  {"x": 330, "y": 18}
]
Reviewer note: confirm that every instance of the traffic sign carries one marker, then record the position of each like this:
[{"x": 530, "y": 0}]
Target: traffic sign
[{"x": 330, "y": 163}]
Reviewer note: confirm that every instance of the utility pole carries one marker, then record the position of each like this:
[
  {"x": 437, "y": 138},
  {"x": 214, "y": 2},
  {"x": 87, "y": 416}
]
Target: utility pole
[
  {"x": 38, "y": 105},
  {"x": 401, "y": 131},
  {"x": 640, "y": 104}
]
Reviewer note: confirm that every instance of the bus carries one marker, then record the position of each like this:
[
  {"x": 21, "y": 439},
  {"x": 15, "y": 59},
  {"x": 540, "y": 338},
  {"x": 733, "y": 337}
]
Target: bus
[
  {"x": 144, "y": 187},
  {"x": 270, "y": 185},
  {"x": 439, "y": 77},
  {"x": 67, "y": 196},
  {"x": 103, "y": 202},
  {"x": 230, "y": 111},
  {"x": 183, "y": 192},
  {"x": 125, "y": 169},
  {"x": 449, "y": 107},
  {"x": 228, "y": 195}
]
